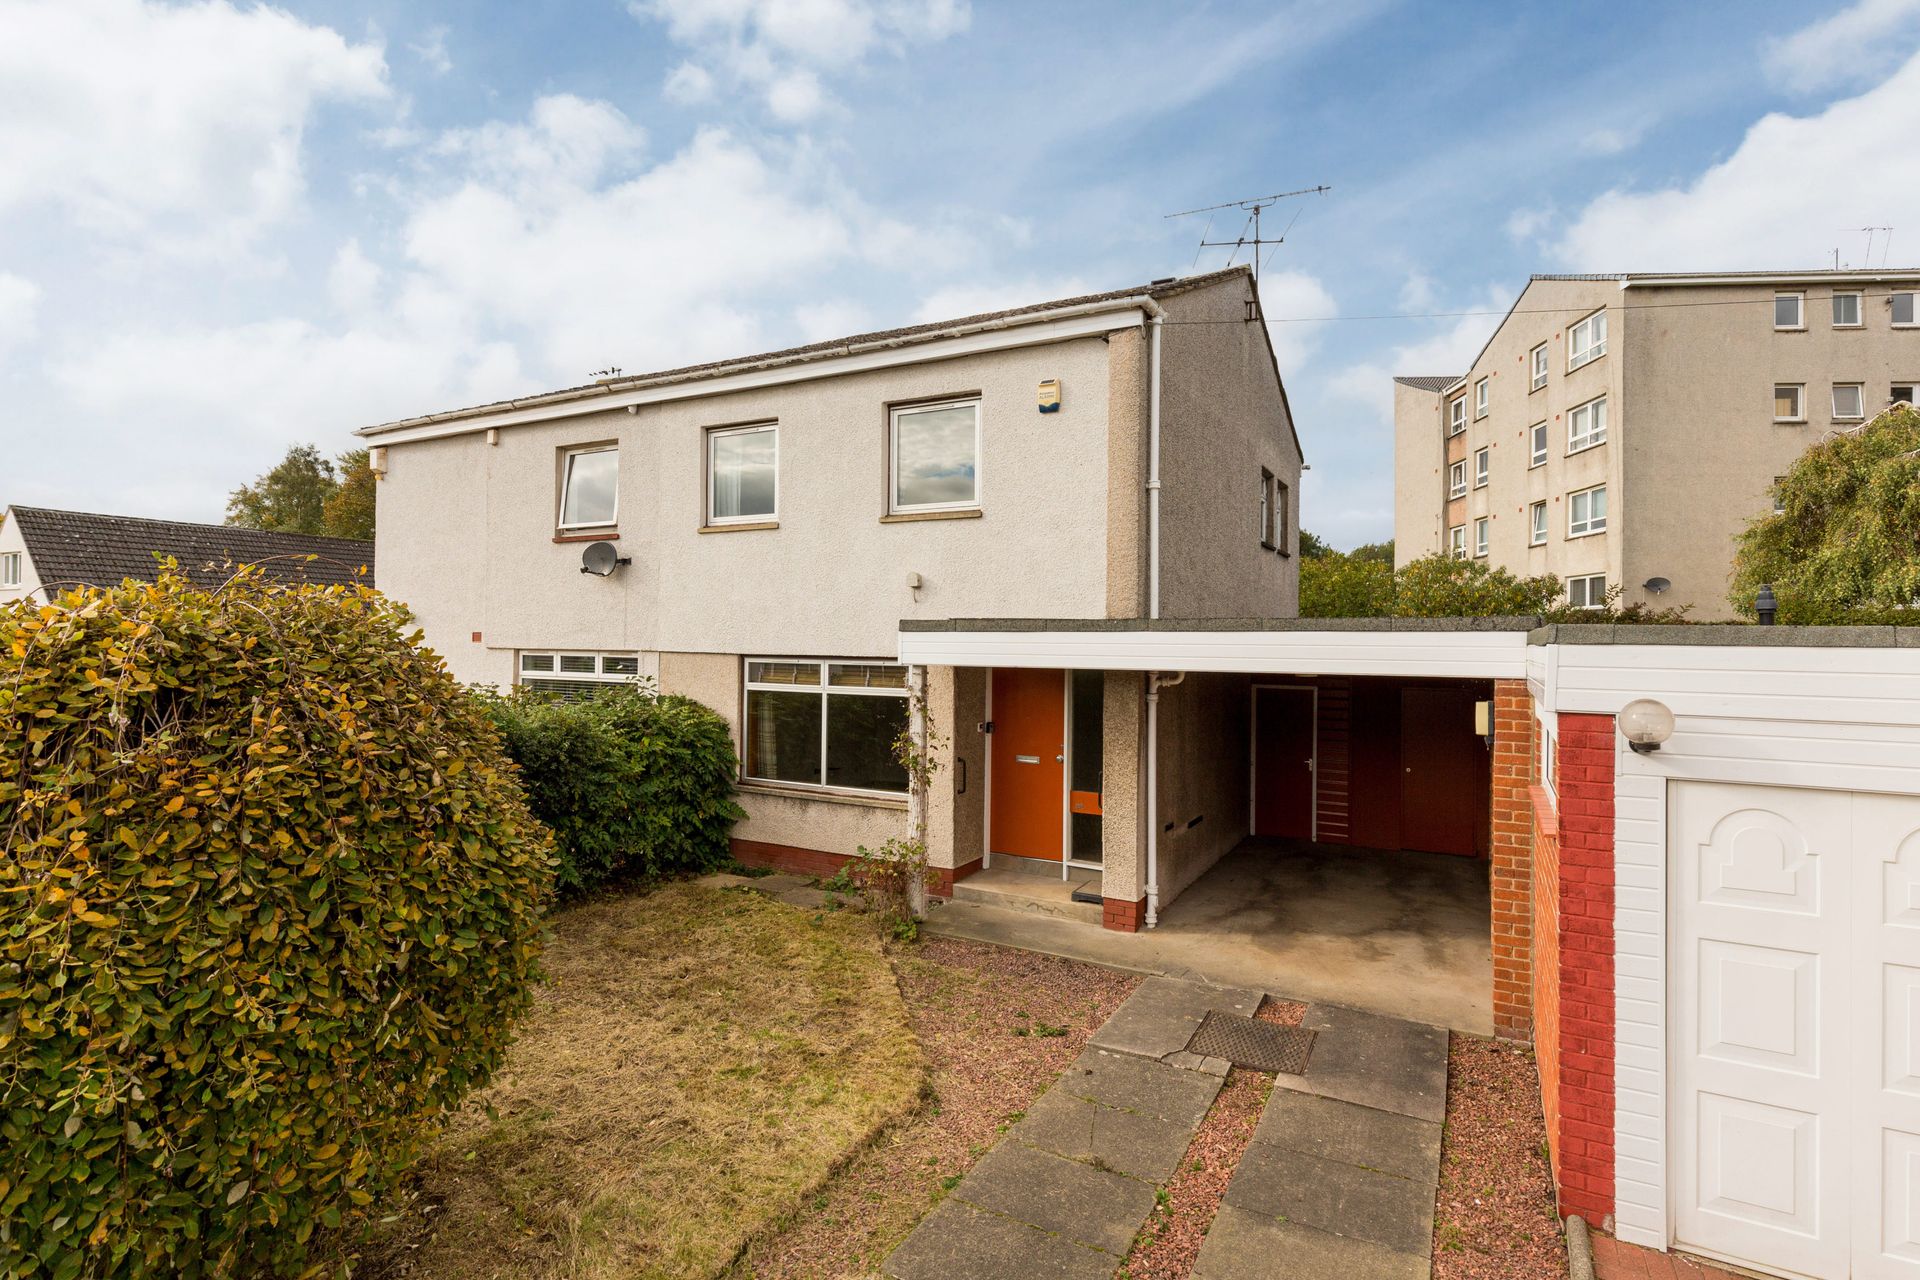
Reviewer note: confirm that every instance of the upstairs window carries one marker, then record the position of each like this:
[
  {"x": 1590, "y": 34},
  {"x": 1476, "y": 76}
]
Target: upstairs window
[
  {"x": 1779, "y": 495},
  {"x": 743, "y": 481},
  {"x": 1587, "y": 425},
  {"x": 1789, "y": 310},
  {"x": 1539, "y": 434},
  {"x": 573, "y": 676},
  {"x": 825, "y": 724},
  {"x": 1266, "y": 508},
  {"x": 1457, "y": 542},
  {"x": 1587, "y": 340},
  {"x": 1537, "y": 532},
  {"x": 1480, "y": 398},
  {"x": 935, "y": 455},
  {"x": 1457, "y": 480},
  {"x": 10, "y": 569},
  {"x": 589, "y": 486},
  {"x": 1849, "y": 405},
  {"x": 1282, "y": 517},
  {"x": 1587, "y": 512},
  {"x": 1539, "y": 361},
  {"x": 1903, "y": 393},
  {"x": 1588, "y": 592},
  {"x": 1787, "y": 405},
  {"x": 1456, "y": 415},
  {"x": 1905, "y": 312},
  {"x": 1480, "y": 466},
  {"x": 1480, "y": 536},
  {"x": 1846, "y": 310}
]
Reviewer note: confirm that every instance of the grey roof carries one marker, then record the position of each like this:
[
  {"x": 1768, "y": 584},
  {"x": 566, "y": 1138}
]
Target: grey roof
[
  {"x": 834, "y": 346},
  {"x": 1426, "y": 383},
  {"x": 1813, "y": 274},
  {"x": 101, "y": 550}
]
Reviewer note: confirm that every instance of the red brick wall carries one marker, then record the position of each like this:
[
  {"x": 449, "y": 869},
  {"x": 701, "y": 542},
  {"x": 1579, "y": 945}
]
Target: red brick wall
[
  {"x": 816, "y": 862},
  {"x": 1546, "y": 962},
  {"x": 1122, "y": 915},
  {"x": 1511, "y": 855},
  {"x": 1581, "y": 1132}
]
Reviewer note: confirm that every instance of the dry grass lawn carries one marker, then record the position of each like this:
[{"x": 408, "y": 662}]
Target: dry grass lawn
[{"x": 697, "y": 1065}]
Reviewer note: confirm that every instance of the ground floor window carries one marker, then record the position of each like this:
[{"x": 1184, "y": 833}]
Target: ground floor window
[
  {"x": 826, "y": 724},
  {"x": 576, "y": 675},
  {"x": 1587, "y": 592}
]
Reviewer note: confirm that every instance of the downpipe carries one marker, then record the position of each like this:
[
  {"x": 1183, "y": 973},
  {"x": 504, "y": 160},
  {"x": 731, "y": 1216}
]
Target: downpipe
[
  {"x": 1156, "y": 681},
  {"x": 1153, "y": 467}
]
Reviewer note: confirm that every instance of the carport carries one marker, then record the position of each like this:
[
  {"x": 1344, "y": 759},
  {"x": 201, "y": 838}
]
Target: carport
[{"x": 1317, "y": 800}]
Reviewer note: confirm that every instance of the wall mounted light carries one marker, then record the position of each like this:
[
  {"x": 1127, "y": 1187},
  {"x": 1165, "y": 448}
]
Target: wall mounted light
[{"x": 1646, "y": 724}]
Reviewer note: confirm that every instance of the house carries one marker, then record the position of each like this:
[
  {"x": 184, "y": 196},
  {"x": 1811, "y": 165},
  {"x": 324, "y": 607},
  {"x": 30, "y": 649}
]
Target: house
[
  {"x": 1621, "y": 430},
  {"x": 758, "y": 527},
  {"x": 46, "y": 551}
]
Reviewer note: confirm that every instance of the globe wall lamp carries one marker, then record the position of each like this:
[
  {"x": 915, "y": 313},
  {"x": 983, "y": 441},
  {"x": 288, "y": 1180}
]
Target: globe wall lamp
[{"x": 1646, "y": 724}]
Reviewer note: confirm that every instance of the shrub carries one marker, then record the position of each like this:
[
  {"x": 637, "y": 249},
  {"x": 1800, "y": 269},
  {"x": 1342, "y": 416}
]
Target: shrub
[
  {"x": 1361, "y": 584},
  {"x": 270, "y": 899},
  {"x": 633, "y": 783}
]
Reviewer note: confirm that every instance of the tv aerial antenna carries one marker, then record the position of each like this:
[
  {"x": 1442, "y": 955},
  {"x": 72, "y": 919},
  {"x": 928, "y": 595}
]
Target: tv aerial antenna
[{"x": 1255, "y": 206}]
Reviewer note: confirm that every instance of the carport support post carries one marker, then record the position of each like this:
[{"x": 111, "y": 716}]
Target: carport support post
[
  {"x": 1511, "y": 855},
  {"x": 1155, "y": 683}
]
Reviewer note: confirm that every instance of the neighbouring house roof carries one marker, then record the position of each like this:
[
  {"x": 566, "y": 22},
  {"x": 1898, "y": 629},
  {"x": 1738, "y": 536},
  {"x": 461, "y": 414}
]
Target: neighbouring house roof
[
  {"x": 102, "y": 550},
  {"x": 1031, "y": 313},
  {"x": 1425, "y": 383}
]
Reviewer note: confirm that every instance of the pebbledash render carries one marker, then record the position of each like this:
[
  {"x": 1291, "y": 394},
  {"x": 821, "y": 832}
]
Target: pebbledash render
[
  {"x": 1621, "y": 430},
  {"x": 773, "y": 519}
]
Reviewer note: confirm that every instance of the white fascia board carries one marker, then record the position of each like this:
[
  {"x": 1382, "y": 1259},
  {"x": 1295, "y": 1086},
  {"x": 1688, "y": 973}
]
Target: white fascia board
[
  {"x": 1003, "y": 336},
  {"x": 1459, "y": 655},
  {"x": 1784, "y": 277}
]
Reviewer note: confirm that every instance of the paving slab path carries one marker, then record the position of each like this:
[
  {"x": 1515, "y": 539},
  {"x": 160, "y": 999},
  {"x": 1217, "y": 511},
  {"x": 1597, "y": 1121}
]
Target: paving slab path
[{"x": 1339, "y": 1178}]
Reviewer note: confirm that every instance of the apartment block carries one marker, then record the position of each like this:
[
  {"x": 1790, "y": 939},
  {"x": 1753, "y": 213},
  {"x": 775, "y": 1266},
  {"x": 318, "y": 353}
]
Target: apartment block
[{"x": 1624, "y": 429}]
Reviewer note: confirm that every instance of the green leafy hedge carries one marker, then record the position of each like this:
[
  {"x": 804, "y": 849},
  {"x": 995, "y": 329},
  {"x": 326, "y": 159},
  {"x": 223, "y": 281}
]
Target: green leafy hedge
[
  {"x": 633, "y": 783},
  {"x": 271, "y": 898}
]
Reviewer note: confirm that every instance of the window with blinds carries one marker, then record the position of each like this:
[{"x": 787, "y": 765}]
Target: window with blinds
[{"x": 577, "y": 675}]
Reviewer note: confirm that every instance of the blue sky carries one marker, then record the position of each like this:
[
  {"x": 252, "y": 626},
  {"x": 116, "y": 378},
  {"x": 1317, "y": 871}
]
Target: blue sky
[{"x": 226, "y": 228}]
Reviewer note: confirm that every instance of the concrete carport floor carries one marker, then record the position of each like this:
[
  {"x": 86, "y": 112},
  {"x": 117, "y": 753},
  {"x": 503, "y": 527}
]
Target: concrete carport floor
[{"x": 1404, "y": 934}]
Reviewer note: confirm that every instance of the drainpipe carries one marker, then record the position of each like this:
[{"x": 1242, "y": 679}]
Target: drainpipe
[
  {"x": 1153, "y": 472},
  {"x": 1155, "y": 683}
]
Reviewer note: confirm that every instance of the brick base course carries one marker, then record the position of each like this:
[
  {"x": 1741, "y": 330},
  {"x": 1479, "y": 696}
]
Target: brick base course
[
  {"x": 1125, "y": 916},
  {"x": 817, "y": 862}
]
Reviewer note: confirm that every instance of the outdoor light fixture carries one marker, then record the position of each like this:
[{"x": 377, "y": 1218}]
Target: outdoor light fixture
[{"x": 1646, "y": 724}]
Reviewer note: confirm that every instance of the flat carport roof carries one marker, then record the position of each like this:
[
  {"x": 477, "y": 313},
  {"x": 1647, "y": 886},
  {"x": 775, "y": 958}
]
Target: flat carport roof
[{"x": 1449, "y": 648}]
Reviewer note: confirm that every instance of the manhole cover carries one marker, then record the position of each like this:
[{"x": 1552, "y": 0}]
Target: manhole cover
[{"x": 1249, "y": 1042}]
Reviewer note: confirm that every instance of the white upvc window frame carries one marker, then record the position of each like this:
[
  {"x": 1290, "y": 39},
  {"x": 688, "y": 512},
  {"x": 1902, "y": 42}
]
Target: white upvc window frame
[
  {"x": 1457, "y": 542},
  {"x": 1537, "y": 445},
  {"x": 1913, "y": 308},
  {"x": 1537, "y": 524},
  {"x": 714, "y": 435},
  {"x": 1594, "y": 436},
  {"x": 1589, "y": 527},
  {"x": 1457, "y": 415},
  {"x": 10, "y": 568},
  {"x": 1859, "y": 320},
  {"x": 1911, "y": 388},
  {"x": 820, "y": 690},
  {"x": 1579, "y": 357},
  {"x": 1480, "y": 395},
  {"x": 568, "y": 457},
  {"x": 1799, "y": 401},
  {"x": 1859, "y": 401},
  {"x": 1799, "y": 310},
  {"x": 1266, "y": 509},
  {"x": 1779, "y": 495},
  {"x": 553, "y": 664},
  {"x": 1482, "y": 465},
  {"x": 1456, "y": 479},
  {"x": 1585, "y": 581},
  {"x": 1539, "y": 364},
  {"x": 1480, "y": 536},
  {"x": 894, "y": 414}
]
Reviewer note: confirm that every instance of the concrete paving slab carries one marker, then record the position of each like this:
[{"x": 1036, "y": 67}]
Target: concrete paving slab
[
  {"x": 1251, "y": 1246},
  {"x": 1162, "y": 1014},
  {"x": 959, "y": 1242},
  {"x": 1379, "y": 1062},
  {"x": 1136, "y": 1084},
  {"x": 1129, "y": 1142},
  {"x": 1352, "y": 1134},
  {"x": 1063, "y": 1196},
  {"x": 1346, "y": 1199}
]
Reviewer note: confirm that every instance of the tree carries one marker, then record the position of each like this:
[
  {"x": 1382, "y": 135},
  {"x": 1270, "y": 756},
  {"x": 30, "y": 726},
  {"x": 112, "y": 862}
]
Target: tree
[
  {"x": 1364, "y": 584},
  {"x": 1312, "y": 547},
  {"x": 1381, "y": 552},
  {"x": 305, "y": 493},
  {"x": 1845, "y": 546}
]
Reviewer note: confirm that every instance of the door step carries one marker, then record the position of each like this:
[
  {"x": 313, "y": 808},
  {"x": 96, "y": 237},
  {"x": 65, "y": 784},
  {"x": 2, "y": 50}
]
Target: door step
[{"x": 1060, "y": 898}]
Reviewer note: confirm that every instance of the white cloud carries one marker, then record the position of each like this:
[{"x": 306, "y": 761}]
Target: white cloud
[
  {"x": 1446, "y": 349},
  {"x": 1796, "y": 187},
  {"x": 179, "y": 121},
  {"x": 1294, "y": 303},
  {"x": 1864, "y": 38},
  {"x": 1612, "y": 140},
  {"x": 353, "y": 282},
  {"x": 1527, "y": 224},
  {"x": 431, "y": 49},
  {"x": 779, "y": 48},
  {"x": 19, "y": 305},
  {"x": 566, "y": 145},
  {"x": 980, "y": 297},
  {"x": 688, "y": 84},
  {"x": 831, "y": 318}
]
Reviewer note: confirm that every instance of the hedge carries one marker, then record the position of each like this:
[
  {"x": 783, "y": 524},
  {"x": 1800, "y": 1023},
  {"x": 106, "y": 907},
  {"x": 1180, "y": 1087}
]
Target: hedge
[
  {"x": 634, "y": 784},
  {"x": 271, "y": 899}
]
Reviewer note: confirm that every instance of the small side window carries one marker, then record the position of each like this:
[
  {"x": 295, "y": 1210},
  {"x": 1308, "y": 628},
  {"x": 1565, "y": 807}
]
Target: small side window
[
  {"x": 1789, "y": 310},
  {"x": 1846, "y": 310},
  {"x": 1905, "y": 311},
  {"x": 1787, "y": 406},
  {"x": 10, "y": 569},
  {"x": 1480, "y": 398},
  {"x": 589, "y": 487}
]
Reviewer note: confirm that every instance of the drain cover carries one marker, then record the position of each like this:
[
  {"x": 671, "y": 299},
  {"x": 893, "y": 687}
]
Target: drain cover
[{"x": 1249, "y": 1042}]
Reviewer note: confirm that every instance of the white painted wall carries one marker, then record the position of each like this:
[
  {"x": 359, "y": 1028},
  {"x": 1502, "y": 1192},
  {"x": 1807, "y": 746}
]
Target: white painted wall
[
  {"x": 1846, "y": 719},
  {"x": 10, "y": 541}
]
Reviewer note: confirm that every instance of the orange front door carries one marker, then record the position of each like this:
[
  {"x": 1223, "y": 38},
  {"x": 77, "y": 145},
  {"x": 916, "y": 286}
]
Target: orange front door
[{"x": 1028, "y": 759}]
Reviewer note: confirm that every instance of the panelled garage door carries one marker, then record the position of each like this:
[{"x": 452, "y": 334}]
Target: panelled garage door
[{"x": 1796, "y": 1028}]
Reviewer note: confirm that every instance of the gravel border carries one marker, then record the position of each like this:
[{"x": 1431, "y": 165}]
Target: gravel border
[{"x": 1494, "y": 1217}]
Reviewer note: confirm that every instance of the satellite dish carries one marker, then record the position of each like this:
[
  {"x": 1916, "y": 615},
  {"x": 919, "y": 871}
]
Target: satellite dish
[
  {"x": 1656, "y": 585},
  {"x": 601, "y": 558}
]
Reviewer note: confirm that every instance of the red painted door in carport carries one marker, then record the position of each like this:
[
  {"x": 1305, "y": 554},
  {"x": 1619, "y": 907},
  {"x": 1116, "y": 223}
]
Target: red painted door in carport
[
  {"x": 1439, "y": 770},
  {"x": 1283, "y": 762}
]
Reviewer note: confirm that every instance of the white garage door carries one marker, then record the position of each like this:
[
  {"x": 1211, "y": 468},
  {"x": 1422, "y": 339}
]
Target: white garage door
[{"x": 1796, "y": 1001}]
